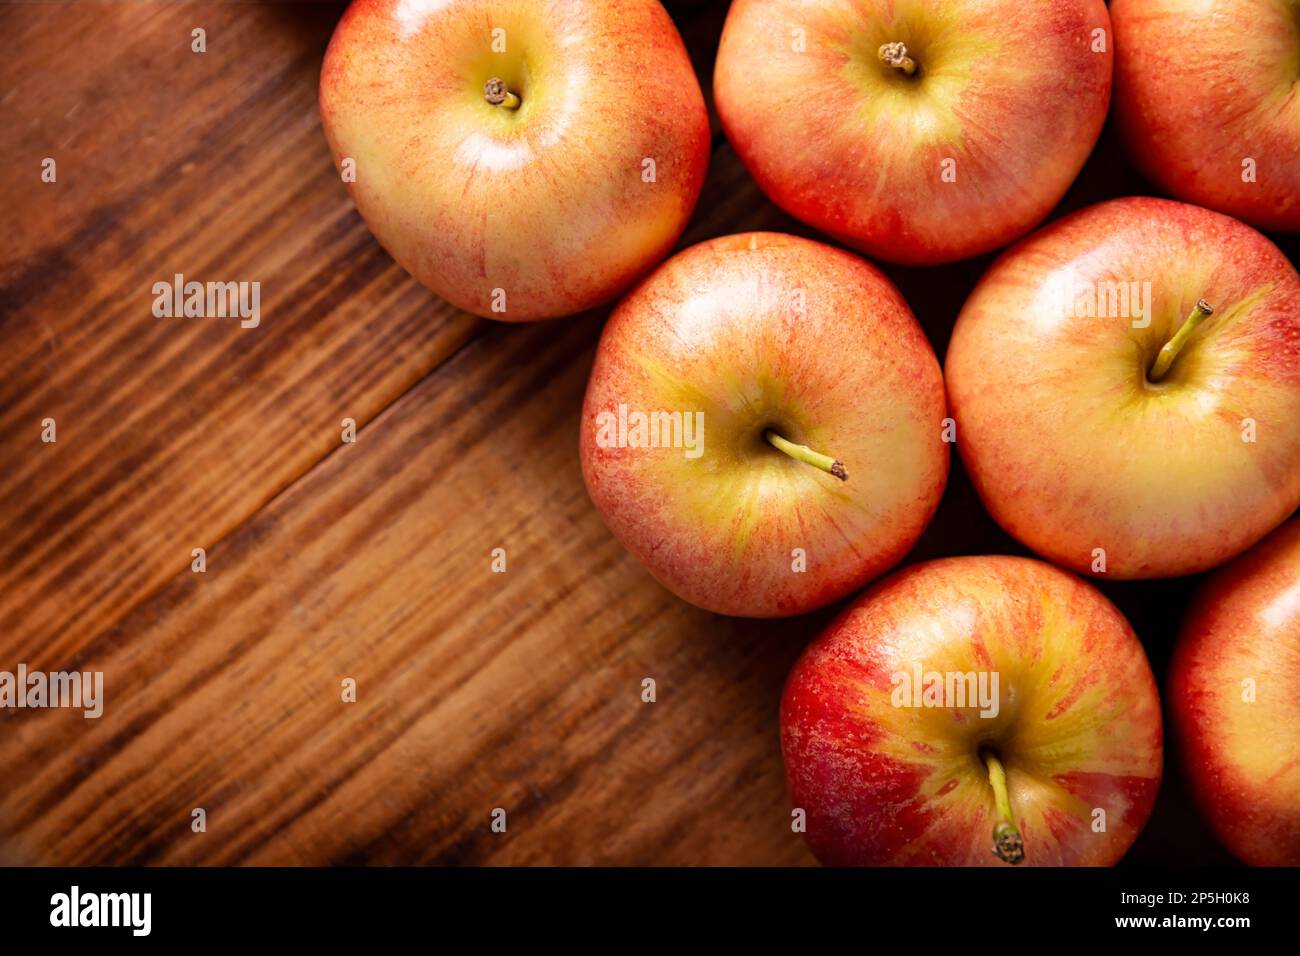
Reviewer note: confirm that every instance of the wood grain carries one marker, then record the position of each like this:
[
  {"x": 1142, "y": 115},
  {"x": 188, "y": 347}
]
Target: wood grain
[
  {"x": 476, "y": 690},
  {"x": 172, "y": 432},
  {"x": 369, "y": 561},
  {"x": 325, "y": 561}
]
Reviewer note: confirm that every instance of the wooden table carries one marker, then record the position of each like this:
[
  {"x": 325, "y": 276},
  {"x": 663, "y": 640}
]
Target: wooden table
[{"x": 328, "y": 561}]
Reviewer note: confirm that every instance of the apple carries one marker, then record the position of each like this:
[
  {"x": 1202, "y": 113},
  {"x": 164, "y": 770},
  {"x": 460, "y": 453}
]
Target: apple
[
  {"x": 918, "y": 131},
  {"x": 970, "y": 710},
  {"x": 763, "y": 427},
  {"x": 1126, "y": 386},
  {"x": 521, "y": 160},
  {"x": 1233, "y": 704},
  {"x": 1207, "y": 94}
]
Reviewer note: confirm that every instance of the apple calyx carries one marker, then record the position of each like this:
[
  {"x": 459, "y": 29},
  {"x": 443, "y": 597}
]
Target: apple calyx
[
  {"x": 895, "y": 55},
  {"x": 1008, "y": 845},
  {"x": 497, "y": 93},
  {"x": 832, "y": 466},
  {"x": 1166, "y": 356}
]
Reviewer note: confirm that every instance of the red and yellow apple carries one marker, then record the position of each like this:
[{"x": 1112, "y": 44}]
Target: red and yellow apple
[
  {"x": 820, "y": 407},
  {"x": 1233, "y": 701},
  {"x": 1057, "y": 764},
  {"x": 1207, "y": 93},
  {"x": 1108, "y": 421},
  {"x": 523, "y": 160},
  {"x": 918, "y": 131}
]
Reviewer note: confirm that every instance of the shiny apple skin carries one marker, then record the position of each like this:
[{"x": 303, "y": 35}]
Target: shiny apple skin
[
  {"x": 1070, "y": 447},
  {"x": 546, "y": 202},
  {"x": 1078, "y": 728},
  {"x": 715, "y": 329},
  {"x": 1011, "y": 90},
  {"x": 1243, "y": 759},
  {"x": 1202, "y": 85}
]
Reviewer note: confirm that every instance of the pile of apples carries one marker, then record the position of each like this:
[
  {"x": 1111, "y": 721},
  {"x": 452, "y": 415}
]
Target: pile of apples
[{"x": 1123, "y": 384}]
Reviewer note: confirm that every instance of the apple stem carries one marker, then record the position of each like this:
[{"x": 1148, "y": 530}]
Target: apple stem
[
  {"x": 1007, "y": 842},
  {"x": 1170, "y": 352},
  {"x": 496, "y": 93},
  {"x": 826, "y": 463},
  {"x": 895, "y": 55}
]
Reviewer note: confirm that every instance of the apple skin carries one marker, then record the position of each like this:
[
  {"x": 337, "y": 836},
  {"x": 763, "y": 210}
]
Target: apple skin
[
  {"x": 1010, "y": 90},
  {"x": 1202, "y": 85},
  {"x": 1069, "y": 445},
  {"x": 546, "y": 202},
  {"x": 1078, "y": 727},
  {"x": 1243, "y": 759},
  {"x": 718, "y": 329}
]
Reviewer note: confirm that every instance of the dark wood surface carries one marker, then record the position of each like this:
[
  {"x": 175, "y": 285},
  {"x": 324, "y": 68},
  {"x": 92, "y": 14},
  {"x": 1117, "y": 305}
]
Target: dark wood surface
[{"x": 369, "y": 561}]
